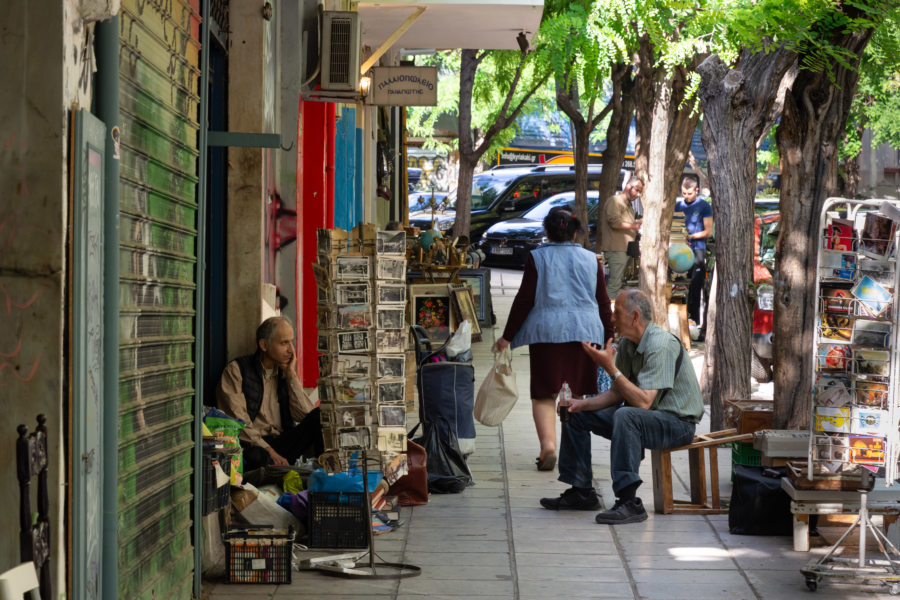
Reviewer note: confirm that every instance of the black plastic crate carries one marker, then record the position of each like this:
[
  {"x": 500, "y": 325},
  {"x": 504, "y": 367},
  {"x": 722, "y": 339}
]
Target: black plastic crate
[
  {"x": 258, "y": 555},
  {"x": 338, "y": 520},
  {"x": 214, "y": 498}
]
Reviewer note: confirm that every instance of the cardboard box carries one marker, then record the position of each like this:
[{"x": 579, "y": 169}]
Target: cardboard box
[{"x": 748, "y": 416}]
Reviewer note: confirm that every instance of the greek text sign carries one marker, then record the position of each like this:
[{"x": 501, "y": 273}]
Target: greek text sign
[{"x": 404, "y": 86}]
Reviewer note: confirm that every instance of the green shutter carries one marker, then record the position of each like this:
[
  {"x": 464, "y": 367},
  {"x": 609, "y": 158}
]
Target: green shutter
[{"x": 159, "y": 75}]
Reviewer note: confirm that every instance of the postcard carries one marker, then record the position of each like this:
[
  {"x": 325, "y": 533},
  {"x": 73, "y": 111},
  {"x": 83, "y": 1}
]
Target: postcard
[
  {"x": 840, "y": 235},
  {"x": 836, "y": 299},
  {"x": 836, "y": 327},
  {"x": 872, "y": 362},
  {"x": 391, "y": 391},
  {"x": 393, "y": 466},
  {"x": 352, "y": 293},
  {"x": 877, "y": 235},
  {"x": 348, "y": 391},
  {"x": 392, "y": 439},
  {"x": 390, "y": 268},
  {"x": 880, "y": 271},
  {"x": 873, "y": 334},
  {"x": 390, "y": 242},
  {"x": 356, "y": 438},
  {"x": 832, "y": 419},
  {"x": 390, "y": 317},
  {"x": 838, "y": 265},
  {"x": 869, "y": 421},
  {"x": 866, "y": 450},
  {"x": 833, "y": 391},
  {"x": 872, "y": 297},
  {"x": 391, "y": 293},
  {"x": 352, "y": 267},
  {"x": 354, "y": 316},
  {"x": 872, "y": 394},
  {"x": 832, "y": 448},
  {"x": 354, "y": 340},
  {"x": 834, "y": 357},
  {"x": 331, "y": 461},
  {"x": 352, "y": 366},
  {"x": 390, "y": 341},
  {"x": 352, "y": 416},
  {"x": 391, "y": 365},
  {"x": 390, "y": 415}
]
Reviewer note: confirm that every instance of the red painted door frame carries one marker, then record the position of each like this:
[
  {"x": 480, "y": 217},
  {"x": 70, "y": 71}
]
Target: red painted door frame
[{"x": 315, "y": 209}]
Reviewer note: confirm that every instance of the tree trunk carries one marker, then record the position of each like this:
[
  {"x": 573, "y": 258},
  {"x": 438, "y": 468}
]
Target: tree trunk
[
  {"x": 815, "y": 113},
  {"x": 709, "y": 353},
  {"x": 736, "y": 105},
  {"x": 622, "y": 103},
  {"x": 851, "y": 164},
  {"x": 582, "y": 135},
  {"x": 643, "y": 106},
  {"x": 654, "y": 237},
  {"x": 467, "y": 157}
]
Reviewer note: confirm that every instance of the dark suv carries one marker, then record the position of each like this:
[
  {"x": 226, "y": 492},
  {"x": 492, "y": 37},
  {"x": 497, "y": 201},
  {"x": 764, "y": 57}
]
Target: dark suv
[{"x": 504, "y": 193}]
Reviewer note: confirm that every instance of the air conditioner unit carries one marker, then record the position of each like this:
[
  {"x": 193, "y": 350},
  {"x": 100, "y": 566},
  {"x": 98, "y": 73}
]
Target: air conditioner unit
[{"x": 340, "y": 51}]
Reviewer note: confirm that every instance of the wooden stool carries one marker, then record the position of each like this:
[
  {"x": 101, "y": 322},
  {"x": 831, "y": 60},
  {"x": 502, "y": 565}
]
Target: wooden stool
[{"x": 663, "y": 500}]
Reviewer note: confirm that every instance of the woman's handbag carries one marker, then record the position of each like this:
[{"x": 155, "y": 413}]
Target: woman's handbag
[{"x": 498, "y": 393}]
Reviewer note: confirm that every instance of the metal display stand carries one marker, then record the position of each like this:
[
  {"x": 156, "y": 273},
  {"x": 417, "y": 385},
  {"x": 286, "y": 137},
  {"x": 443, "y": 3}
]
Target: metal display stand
[
  {"x": 356, "y": 564},
  {"x": 854, "y": 409}
]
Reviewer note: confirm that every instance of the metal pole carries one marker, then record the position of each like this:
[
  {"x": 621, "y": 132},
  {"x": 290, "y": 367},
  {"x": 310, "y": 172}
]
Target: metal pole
[
  {"x": 863, "y": 527},
  {"x": 107, "y": 108},
  {"x": 368, "y": 499},
  {"x": 200, "y": 299}
]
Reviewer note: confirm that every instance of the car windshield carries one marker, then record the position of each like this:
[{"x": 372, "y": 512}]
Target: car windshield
[{"x": 485, "y": 189}]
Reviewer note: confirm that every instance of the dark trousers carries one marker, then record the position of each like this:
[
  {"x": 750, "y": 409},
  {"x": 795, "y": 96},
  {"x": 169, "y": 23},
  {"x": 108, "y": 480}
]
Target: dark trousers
[
  {"x": 697, "y": 275},
  {"x": 629, "y": 430},
  {"x": 300, "y": 439}
]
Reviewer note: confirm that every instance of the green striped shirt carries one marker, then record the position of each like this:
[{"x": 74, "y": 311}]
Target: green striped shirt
[{"x": 650, "y": 365}]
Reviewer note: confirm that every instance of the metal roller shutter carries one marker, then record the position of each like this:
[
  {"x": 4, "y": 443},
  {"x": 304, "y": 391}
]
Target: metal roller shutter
[{"x": 159, "y": 75}]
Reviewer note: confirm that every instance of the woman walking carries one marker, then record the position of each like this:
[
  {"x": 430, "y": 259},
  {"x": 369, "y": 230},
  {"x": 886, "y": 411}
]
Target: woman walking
[{"x": 562, "y": 301}]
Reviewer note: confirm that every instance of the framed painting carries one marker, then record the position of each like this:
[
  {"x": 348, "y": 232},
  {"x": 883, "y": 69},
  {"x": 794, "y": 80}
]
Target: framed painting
[
  {"x": 465, "y": 306},
  {"x": 430, "y": 308},
  {"x": 477, "y": 283}
]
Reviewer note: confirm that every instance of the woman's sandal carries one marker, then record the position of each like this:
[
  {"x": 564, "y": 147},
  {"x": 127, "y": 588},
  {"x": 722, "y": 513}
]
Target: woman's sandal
[{"x": 548, "y": 463}]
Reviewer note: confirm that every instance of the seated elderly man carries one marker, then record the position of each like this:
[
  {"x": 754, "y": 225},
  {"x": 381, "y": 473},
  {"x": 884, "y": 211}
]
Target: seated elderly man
[
  {"x": 654, "y": 403},
  {"x": 262, "y": 389}
]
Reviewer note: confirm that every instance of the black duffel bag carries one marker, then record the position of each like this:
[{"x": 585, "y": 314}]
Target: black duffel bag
[{"x": 758, "y": 504}]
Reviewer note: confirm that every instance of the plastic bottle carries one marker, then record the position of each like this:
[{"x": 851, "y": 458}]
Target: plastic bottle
[{"x": 565, "y": 399}]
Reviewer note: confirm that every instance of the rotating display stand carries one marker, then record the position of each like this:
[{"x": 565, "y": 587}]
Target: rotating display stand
[{"x": 854, "y": 409}]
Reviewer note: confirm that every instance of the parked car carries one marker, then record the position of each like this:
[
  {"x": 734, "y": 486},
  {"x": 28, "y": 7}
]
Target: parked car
[
  {"x": 420, "y": 200},
  {"x": 413, "y": 175},
  {"x": 765, "y": 233},
  {"x": 509, "y": 242},
  {"x": 505, "y": 193}
]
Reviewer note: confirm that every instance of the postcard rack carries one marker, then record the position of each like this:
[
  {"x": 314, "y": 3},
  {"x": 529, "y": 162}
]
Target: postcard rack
[{"x": 854, "y": 408}]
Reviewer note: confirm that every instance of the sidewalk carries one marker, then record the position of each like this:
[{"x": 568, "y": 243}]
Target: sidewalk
[{"x": 495, "y": 541}]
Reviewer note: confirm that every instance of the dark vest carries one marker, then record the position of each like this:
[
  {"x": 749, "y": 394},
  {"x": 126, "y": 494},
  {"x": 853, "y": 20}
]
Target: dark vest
[{"x": 252, "y": 387}]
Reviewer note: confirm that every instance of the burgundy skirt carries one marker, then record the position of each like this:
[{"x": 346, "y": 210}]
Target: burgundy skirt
[{"x": 552, "y": 364}]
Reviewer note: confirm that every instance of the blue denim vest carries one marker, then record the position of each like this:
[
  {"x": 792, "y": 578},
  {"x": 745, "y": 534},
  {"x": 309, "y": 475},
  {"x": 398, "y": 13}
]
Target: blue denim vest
[{"x": 565, "y": 304}]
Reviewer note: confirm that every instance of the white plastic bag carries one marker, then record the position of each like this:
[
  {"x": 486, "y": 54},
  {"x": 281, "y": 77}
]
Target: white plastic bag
[
  {"x": 498, "y": 393},
  {"x": 461, "y": 340}
]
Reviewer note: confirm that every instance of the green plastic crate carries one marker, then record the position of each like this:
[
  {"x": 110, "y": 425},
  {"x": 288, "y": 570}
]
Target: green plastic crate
[{"x": 743, "y": 453}]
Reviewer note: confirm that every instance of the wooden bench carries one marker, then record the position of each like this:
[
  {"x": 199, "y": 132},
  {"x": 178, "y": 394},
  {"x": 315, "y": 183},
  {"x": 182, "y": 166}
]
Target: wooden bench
[{"x": 700, "y": 502}]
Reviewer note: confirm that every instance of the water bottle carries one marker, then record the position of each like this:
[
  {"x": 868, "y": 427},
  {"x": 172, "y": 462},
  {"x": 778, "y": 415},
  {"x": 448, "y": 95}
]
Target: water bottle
[{"x": 565, "y": 399}]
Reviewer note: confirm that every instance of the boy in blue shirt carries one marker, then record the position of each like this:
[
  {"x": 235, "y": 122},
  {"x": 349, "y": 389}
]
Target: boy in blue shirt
[{"x": 698, "y": 221}]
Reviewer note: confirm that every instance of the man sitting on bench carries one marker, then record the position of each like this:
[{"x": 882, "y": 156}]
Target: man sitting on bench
[
  {"x": 262, "y": 390},
  {"x": 654, "y": 403}
]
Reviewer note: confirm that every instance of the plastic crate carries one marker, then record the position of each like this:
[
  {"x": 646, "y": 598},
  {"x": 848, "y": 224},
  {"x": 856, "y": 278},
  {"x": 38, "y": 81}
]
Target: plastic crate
[
  {"x": 258, "y": 555},
  {"x": 743, "y": 453},
  {"x": 214, "y": 498},
  {"x": 338, "y": 520}
]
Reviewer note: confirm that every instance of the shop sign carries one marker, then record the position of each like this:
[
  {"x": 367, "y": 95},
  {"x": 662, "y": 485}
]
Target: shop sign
[{"x": 404, "y": 86}]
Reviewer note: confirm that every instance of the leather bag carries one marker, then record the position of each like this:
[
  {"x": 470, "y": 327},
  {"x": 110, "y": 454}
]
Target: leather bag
[
  {"x": 498, "y": 393},
  {"x": 412, "y": 488}
]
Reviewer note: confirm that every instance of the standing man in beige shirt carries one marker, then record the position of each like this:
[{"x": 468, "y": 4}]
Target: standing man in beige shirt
[
  {"x": 618, "y": 226},
  {"x": 262, "y": 389}
]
